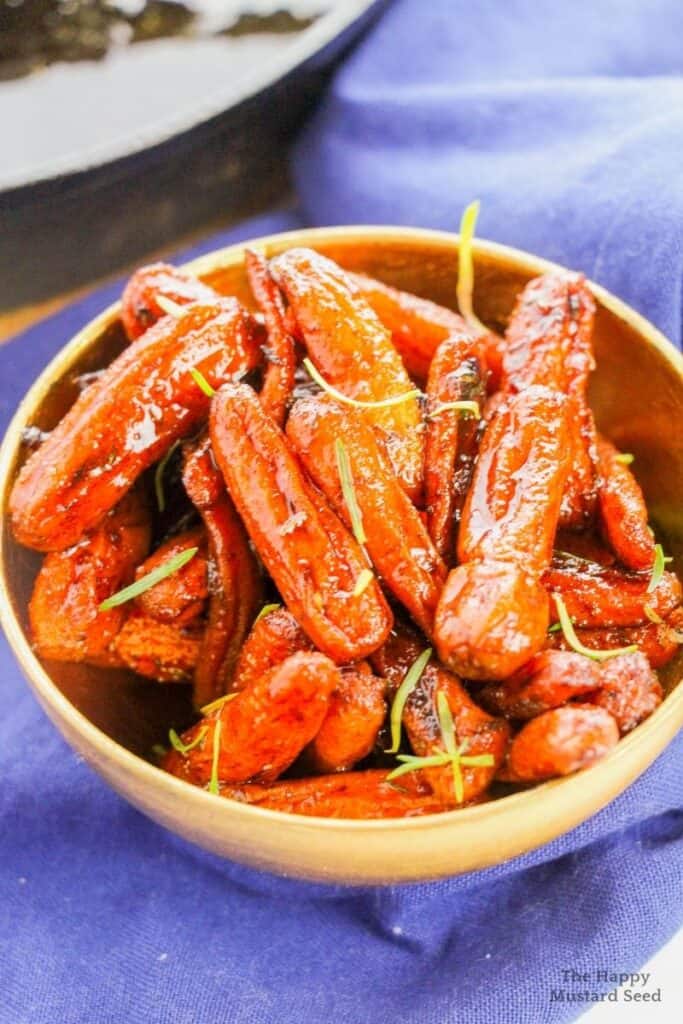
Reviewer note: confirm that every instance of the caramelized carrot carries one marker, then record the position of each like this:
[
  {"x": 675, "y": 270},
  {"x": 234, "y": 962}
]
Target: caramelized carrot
[
  {"x": 181, "y": 597},
  {"x": 493, "y": 613},
  {"x": 66, "y": 621},
  {"x": 313, "y": 559},
  {"x": 162, "y": 651},
  {"x": 623, "y": 513},
  {"x": 350, "y": 727},
  {"x": 354, "y": 353},
  {"x": 143, "y": 402},
  {"x": 659, "y": 642},
  {"x": 560, "y": 742},
  {"x": 235, "y": 589},
  {"x": 451, "y": 436},
  {"x": 278, "y": 379},
  {"x": 396, "y": 539},
  {"x": 629, "y": 690},
  {"x": 263, "y": 729},
  {"x": 343, "y": 795},
  {"x": 481, "y": 733},
  {"x": 548, "y": 680},
  {"x": 548, "y": 342},
  {"x": 139, "y": 306},
  {"x": 272, "y": 638}
]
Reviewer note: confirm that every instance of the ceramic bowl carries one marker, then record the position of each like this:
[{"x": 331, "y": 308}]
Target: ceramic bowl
[{"x": 113, "y": 718}]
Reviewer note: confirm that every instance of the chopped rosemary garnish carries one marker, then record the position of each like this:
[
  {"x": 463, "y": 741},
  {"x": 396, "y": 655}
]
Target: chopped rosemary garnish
[
  {"x": 453, "y": 753},
  {"x": 410, "y": 681},
  {"x": 465, "y": 285},
  {"x": 217, "y": 703},
  {"x": 574, "y": 642},
  {"x": 555, "y": 628},
  {"x": 266, "y": 610},
  {"x": 150, "y": 579},
  {"x": 213, "y": 784},
  {"x": 201, "y": 382},
  {"x": 159, "y": 750},
  {"x": 652, "y": 615},
  {"x": 169, "y": 306},
  {"x": 658, "y": 568},
  {"x": 159, "y": 476},
  {"x": 468, "y": 408},
  {"x": 625, "y": 458},
  {"x": 185, "y": 748},
  {"x": 382, "y": 403},
  {"x": 349, "y": 491},
  {"x": 365, "y": 578}
]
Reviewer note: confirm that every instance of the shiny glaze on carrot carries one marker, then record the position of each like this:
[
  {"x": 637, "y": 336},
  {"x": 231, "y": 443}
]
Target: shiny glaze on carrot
[
  {"x": 143, "y": 402},
  {"x": 354, "y": 353},
  {"x": 451, "y": 436},
  {"x": 64, "y": 611},
  {"x": 398, "y": 544},
  {"x": 623, "y": 512},
  {"x": 313, "y": 559},
  {"x": 418, "y": 326},
  {"x": 264, "y": 728},
  {"x": 658, "y": 642},
  {"x": 560, "y": 742},
  {"x": 363, "y": 795},
  {"x": 280, "y": 352},
  {"x": 272, "y": 638},
  {"x": 597, "y": 596},
  {"x": 350, "y": 728},
  {"x": 163, "y": 651},
  {"x": 629, "y": 690},
  {"x": 234, "y": 579},
  {"x": 548, "y": 680},
  {"x": 493, "y": 612},
  {"x": 549, "y": 342},
  {"x": 139, "y": 306},
  {"x": 180, "y": 597}
]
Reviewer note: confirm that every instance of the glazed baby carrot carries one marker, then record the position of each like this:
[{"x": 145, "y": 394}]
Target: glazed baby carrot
[
  {"x": 140, "y": 300},
  {"x": 67, "y": 622},
  {"x": 548, "y": 680},
  {"x": 234, "y": 580},
  {"x": 455, "y": 398},
  {"x": 180, "y": 597},
  {"x": 623, "y": 513},
  {"x": 354, "y": 353},
  {"x": 280, "y": 354},
  {"x": 493, "y": 612},
  {"x": 313, "y": 559},
  {"x": 118, "y": 427},
  {"x": 162, "y": 651},
  {"x": 560, "y": 742},
  {"x": 339, "y": 450},
  {"x": 260, "y": 732}
]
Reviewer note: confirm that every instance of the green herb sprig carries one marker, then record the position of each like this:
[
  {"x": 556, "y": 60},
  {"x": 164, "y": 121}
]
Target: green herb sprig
[
  {"x": 185, "y": 748},
  {"x": 382, "y": 403},
  {"x": 349, "y": 491},
  {"x": 213, "y": 782},
  {"x": 465, "y": 284},
  {"x": 572, "y": 639},
  {"x": 149, "y": 580},
  {"x": 159, "y": 476},
  {"x": 201, "y": 382},
  {"x": 410, "y": 681},
  {"x": 453, "y": 754},
  {"x": 660, "y": 563}
]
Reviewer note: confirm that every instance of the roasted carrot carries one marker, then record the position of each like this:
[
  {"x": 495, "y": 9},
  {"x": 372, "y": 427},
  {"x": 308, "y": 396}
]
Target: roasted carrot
[
  {"x": 313, "y": 559},
  {"x": 144, "y": 401},
  {"x": 397, "y": 542},
  {"x": 234, "y": 580},
  {"x": 67, "y": 623},
  {"x": 139, "y": 302},
  {"x": 354, "y": 353}
]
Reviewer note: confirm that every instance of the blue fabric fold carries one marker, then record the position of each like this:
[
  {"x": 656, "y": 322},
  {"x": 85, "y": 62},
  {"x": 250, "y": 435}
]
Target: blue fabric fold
[{"x": 566, "y": 122}]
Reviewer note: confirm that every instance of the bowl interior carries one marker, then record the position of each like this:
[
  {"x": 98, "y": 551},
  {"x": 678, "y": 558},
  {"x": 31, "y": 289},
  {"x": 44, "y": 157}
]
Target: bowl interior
[{"x": 636, "y": 393}]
